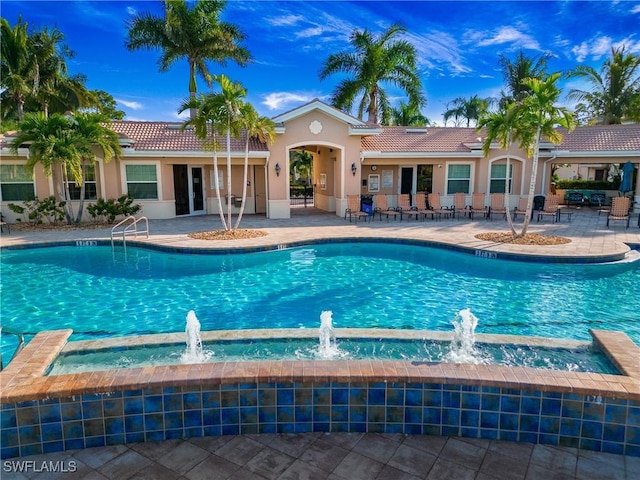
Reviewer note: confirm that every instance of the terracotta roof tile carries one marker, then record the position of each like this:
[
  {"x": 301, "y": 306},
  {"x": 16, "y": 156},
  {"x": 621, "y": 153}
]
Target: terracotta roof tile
[
  {"x": 602, "y": 138},
  {"x": 168, "y": 136},
  {"x": 431, "y": 139}
]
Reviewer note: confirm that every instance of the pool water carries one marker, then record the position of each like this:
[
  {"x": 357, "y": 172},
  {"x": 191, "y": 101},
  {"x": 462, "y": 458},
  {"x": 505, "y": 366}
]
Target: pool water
[
  {"x": 99, "y": 293},
  {"x": 575, "y": 359}
]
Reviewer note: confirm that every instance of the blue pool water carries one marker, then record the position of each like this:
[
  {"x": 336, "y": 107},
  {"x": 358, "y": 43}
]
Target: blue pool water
[{"x": 100, "y": 293}]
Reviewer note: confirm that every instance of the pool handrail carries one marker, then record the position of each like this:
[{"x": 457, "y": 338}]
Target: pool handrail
[{"x": 131, "y": 229}]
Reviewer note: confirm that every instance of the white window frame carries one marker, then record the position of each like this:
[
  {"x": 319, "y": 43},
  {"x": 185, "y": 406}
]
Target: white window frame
[
  {"x": 373, "y": 183},
  {"x": 71, "y": 182},
  {"x": 503, "y": 179},
  {"x": 19, "y": 165},
  {"x": 470, "y": 179},
  {"x": 125, "y": 182},
  {"x": 220, "y": 178}
]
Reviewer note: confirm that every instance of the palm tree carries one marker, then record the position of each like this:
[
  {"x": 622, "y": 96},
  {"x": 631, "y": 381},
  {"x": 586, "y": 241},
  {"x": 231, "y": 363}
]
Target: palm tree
[
  {"x": 408, "y": 115},
  {"x": 206, "y": 123},
  {"x": 499, "y": 128},
  {"x": 375, "y": 61},
  {"x": 17, "y": 67},
  {"x": 537, "y": 115},
  {"x": 62, "y": 144},
  {"x": 196, "y": 34},
  {"x": 469, "y": 109},
  {"x": 90, "y": 131},
  {"x": 522, "y": 67},
  {"x": 301, "y": 163},
  {"x": 615, "y": 90},
  {"x": 255, "y": 126}
]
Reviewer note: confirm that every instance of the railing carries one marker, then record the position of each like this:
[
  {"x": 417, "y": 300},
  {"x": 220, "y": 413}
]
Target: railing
[
  {"x": 18, "y": 348},
  {"x": 301, "y": 196},
  {"x": 130, "y": 229}
]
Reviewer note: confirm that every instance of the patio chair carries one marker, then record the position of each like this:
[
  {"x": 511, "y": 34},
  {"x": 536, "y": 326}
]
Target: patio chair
[
  {"x": 620, "y": 207},
  {"x": 404, "y": 204},
  {"x": 551, "y": 208},
  {"x": 4, "y": 224},
  {"x": 521, "y": 208},
  {"x": 354, "y": 209},
  {"x": 477, "y": 205},
  {"x": 497, "y": 206},
  {"x": 434, "y": 205},
  {"x": 382, "y": 207},
  {"x": 421, "y": 205},
  {"x": 460, "y": 204}
]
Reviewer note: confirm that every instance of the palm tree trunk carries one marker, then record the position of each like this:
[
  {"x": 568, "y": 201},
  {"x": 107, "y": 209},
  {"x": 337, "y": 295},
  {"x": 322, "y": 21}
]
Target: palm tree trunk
[
  {"x": 532, "y": 184},
  {"x": 82, "y": 192},
  {"x": 215, "y": 178},
  {"x": 507, "y": 190},
  {"x": 193, "y": 87},
  {"x": 68, "y": 207},
  {"x": 244, "y": 182},
  {"x": 229, "y": 173}
]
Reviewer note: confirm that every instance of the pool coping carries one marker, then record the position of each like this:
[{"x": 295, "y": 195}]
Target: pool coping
[{"x": 24, "y": 378}]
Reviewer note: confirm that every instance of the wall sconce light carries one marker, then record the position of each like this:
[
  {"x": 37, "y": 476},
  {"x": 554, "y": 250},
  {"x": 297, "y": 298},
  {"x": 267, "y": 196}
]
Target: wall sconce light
[
  {"x": 278, "y": 169},
  {"x": 439, "y": 165},
  {"x": 354, "y": 169}
]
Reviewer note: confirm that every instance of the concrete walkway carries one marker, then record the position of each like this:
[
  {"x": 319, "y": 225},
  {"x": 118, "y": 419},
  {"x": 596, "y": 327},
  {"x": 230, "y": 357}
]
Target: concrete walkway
[{"x": 338, "y": 456}]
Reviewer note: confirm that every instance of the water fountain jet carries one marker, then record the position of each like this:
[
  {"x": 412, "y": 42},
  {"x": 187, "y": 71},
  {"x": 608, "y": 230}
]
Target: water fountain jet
[{"x": 194, "y": 352}]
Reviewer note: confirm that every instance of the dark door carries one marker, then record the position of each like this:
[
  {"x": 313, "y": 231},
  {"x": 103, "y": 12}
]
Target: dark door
[
  {"x": 181, "y": 189},
  {"x": 196, "y": 185},
  {"x": 406, "y": 180}
]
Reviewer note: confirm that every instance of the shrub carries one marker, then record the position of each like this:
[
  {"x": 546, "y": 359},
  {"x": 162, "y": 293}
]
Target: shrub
[
  {"x": 109, "y": 210},
  {"x": 587, "y": 185},
  {"x": 34, "y": 211}
]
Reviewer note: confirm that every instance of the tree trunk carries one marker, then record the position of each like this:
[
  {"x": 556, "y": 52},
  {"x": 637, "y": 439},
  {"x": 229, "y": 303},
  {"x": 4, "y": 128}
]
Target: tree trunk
[
  {"x": 66, "y": 196},
  {"x": 229, "y": 205},
  {"x": 82, "y": 192},
  {"x": 244, "y": 182},
  {"x": 532, "y": 184},
  {"x": 507, "y": 190},
  {"x": 193, "y": 87},
  {"x": 215, "y": 178}
]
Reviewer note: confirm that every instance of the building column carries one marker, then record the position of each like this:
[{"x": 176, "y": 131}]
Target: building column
[{"x": 636, "y": 198}]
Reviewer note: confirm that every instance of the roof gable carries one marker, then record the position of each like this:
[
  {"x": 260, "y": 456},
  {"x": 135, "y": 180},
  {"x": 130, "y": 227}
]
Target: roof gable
[{"x": 316, "y": 104}]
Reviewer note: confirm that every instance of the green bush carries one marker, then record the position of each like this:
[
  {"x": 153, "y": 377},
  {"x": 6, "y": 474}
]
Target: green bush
[
  {"x": 587, "y": 185},
  {"x": 35, "y": 211},
  {"x": 109, "y": 210}
]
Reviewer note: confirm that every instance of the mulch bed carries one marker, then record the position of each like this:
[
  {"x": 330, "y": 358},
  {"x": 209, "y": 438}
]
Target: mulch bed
[
  {"x": 527, "y": 239},
  {"x": 238, "y": 234}
]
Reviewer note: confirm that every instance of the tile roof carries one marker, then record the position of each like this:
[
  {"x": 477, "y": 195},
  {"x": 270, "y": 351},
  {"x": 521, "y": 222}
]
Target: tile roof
[
  {"x": 167, "y": 136},
  {"x": 602, "y": 138},
  {"x": 431, "y": 139}
]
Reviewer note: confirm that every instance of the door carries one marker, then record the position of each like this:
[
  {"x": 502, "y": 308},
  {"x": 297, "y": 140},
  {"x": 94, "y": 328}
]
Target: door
[
  {"x": 181, "y": 189},
  {"x": 197, "y": 190},
  {"x": 260, "y": 189},
  {"x": 406, "y": 180}
]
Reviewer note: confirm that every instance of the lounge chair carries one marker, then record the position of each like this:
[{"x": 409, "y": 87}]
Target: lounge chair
[
  {"x": 4, "y": 224},
  {"x": 477, "y": 205},
  {"x": 404, "y": 204},
  {"x": 497, "y": 206},
  {"x": 597, "y": 199},
  {"x": 521, "y": 208},
  {"x": 620, "y": 207},
  {"x": 551, "y": 208},
  {"x": 434, "y": 205},
  {"x": 421, "y": 205},
  {"x": 574, "y": 198},
  {"x": 354, "y": 209},
  {"x": 460, "y": 204},
  {"x": 382, "y": 207}
]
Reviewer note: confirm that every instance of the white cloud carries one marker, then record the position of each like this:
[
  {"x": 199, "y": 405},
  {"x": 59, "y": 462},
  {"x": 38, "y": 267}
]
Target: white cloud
[
  {"x": 310, "y": 32},
  {"x": 437, "y": 50},
  {"x": 285, "y": 20},
  {"x": 280, "y": 100},
  {"x": 132, "y": 11},
  {"x": 509, "y": 34},
  {"x": 129, "y": 104},
  {"x": 636, "y": 9},
  {"x": 600, "y": 47}
]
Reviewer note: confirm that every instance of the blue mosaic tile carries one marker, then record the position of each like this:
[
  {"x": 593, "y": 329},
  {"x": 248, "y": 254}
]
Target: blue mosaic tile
[
  {"x": 508, "y": 436},
  {"x": 338, "y": 414},
  {"x": 264, "y": 428},
  {"x": 395, "y": 415},
  {"x": 229, "y": 416},
  {"x": 172, "y": 402},
  {"x": 469, "y": 432},
  {"x": 74, "y": 429},
  {"x": 591, "y": 444},
  {"x": 248, "y": 415},
  {"x": 633, "y": 416},
  {"x": 284, "y": 414},
  {"x": 174, "y": 434},
  {"x": 358, "y": 414},
  {"x": 593, "y": 411},
  {"x": 8, "y": 418},
  {"x": 112, "y": 407},
  {"x": 394, "y": 428},
  {"x": 450, "y": 431},
  {"x": 529, "y": 423},
  {"x": 321, "y": 396},
  {"x": 550, "y": 425},
  {"x": 377, "y": 396},
  {"x": 376, "y": 428},
  {"x": 27, "y": 403},
  {"x": 10, "y": 438},
  {"x": 613, "y": 433},
  {"x": 450, "y": 399},
  {"x": 51, "y": 432},
  {"x": 117, "y": 439},
  {"x": 9, "y": 452},
  {"x": 153, "y": 404},
  {"x": 71, "y": 411},
  {"x": 153, "y": 422},
  {"x": 154, "y": 436},
  {"x": 551, "y": 407},
  {"x": 433, "y": 398},
  {"x": 193, "y": 400},
  {"x": 134, "y": 423},
  {"x": 571, "y": 409},
  {"x": 492, "y": 390},
  {"x": 615, "y": 414},
  {"x": 530, "y": 405},
  {"x": 229, "y": 399},
  {"x": 432, "y": 430},
  {"x": 509, "y": 404},
  {"x": 357, "y": 396},
  {"x": 489, "y": 434},
  {"x": 528, "y": 437},
  {"x": 548, "y": 439},
  {"x": 432, "y": 415},
  {"x": 632, "y": 436},
  {"x": 267, "y": 414},
  {"x": 489, "y": 420},
  {"x": 610, "y": 447},
  {"x": 267, "y": 397},
  {"x": 470, "y": 418},
  {"x": 29, "y": 435},
  {"x": 509, "y": 421},
  {"x": 450, "y": 416},
  {"x": 570, "y": 427},
  {"x": 92, "y": 409},
  {"x": 591, "y": 429},
  {"x": 53, "y": 447},
  {"x": 27, "y": 416},
  {"x": 211, "y": 399},
  {"x": 395, "y": 396},
  {"x": 192, "y": 418},
  {"x": 93, "y": 427},
  {"x": 490, "y": 402},
  {"x": 413, "y": 398},
  {"x": 376, "y": 414},
  {"x": 433, "y": 386},
  {"x": 357, "y": 427},
  {"x": 339, "y": 427},
  {"x": 632, "y": 450},
  {"x": 34, "y": 449},
  {"x": 339, "y": 396},
  {"x": 132, "y": 393},
  {"x": 73, "y": 443},
  {"x": 470, "y": 401},
  {"x": 114, "y": 425},
  {"x": 413, "y": 415},
  {"x": 133, "y": 405},
  {"x": 284, "y": 396}
]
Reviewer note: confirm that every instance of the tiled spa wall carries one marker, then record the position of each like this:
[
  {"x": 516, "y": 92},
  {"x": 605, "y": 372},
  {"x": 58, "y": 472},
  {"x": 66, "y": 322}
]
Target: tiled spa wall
[{"x": 92, "y": 420}]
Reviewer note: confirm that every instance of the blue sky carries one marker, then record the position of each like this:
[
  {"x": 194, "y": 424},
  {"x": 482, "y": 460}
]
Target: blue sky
[{"x": 458, "y": 44}]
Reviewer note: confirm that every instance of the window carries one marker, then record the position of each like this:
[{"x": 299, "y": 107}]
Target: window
[
  {"x": 90, "y": 187},
  {"x": 16, "y": 183},
  {"x": 220, "y": 179},
  {"x": 498, "y": 177},
  {"x": 374, "y": 183},
  {"x": 142, "y": 181},
  {"x": 323, "y": 181},
  {"x": 425, "y": 178},
  {"x": 458, "y": 179}
]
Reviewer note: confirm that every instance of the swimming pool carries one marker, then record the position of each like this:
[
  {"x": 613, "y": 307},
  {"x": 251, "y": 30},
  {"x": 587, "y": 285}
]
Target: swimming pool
[{"x": 99, "y": 293}]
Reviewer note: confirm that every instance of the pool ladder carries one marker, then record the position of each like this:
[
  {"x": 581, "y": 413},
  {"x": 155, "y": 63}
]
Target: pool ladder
[
  {"x": 129, "y": 226},
  {"x": 18, "y": 348}
]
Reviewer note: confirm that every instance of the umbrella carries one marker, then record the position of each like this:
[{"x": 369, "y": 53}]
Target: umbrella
[{"x": 627, "y": 174}]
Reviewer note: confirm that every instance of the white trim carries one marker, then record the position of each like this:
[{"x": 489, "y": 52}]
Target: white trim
[
  {"x": 460, "y": 155},
  {"x": 199, "y": 154},
  {"x": 512, "y": 158},
  {"x": 123, "y": 176},
  {"x": 472, "y": 176},
  {"x": 317, "y": 105}
]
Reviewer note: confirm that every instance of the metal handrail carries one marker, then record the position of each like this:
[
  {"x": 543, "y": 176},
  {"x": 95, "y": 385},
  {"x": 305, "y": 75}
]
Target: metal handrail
[{"x": 131, "y": 229}]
